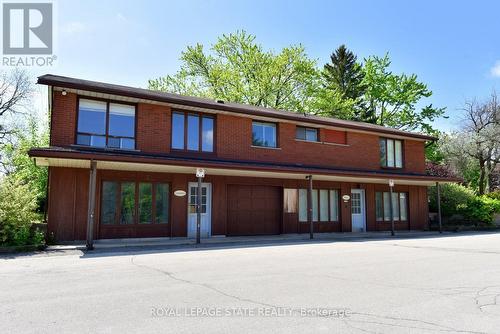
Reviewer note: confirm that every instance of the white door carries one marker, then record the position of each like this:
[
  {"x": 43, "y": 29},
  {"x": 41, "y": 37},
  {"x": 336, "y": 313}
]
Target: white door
[
  {"x": 206, "y": 209},
  {"x": 358, "y": 210}
]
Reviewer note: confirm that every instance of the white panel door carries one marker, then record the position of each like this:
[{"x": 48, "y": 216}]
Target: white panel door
[
  {"x": 206, "y": 209},
  {"x": 358, "y": 210}
]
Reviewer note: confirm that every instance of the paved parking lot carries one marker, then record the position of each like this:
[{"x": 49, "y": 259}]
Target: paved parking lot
[{"x": 421, "y": 285}]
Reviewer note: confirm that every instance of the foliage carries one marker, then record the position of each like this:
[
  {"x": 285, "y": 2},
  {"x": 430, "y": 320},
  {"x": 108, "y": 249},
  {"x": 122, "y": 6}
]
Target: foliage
[
  {"x": 237, "y": 69},
  {"x": 453, "y": 198},
  {"x": 393, "y": 98},
  {"x": 344, "y": 78},
  {"x": 18, "y": 165},
  {"x": 481, "y": 209},
  {"x": 474, "y": 151},
  {"x": 494, "y": 195},
  {"x": 440, "y": 170},
  {"x": 17, "y": 213},
  {"x": 457, "y": 199},
  {"x": 15, "y": 94}
]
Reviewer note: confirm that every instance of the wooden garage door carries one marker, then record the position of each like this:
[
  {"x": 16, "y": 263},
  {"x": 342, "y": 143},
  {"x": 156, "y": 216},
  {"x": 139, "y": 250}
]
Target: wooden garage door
[{"x": 253, "y": 210}]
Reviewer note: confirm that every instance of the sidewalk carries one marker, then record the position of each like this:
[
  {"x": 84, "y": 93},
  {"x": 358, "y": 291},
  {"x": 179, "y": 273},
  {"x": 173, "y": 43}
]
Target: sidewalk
[{"x": 245, "y": 240}]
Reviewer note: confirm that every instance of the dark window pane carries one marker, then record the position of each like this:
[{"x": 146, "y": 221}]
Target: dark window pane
[
  {"x": 121, "y": 120},
  {"x": 207, "y": 134},
  {"x": 178, "y": 131},
  {"x": 145, "y": 203},
  {"x": 383, "y": 153},
  {"x": 92, "y": 117},
  {"x": 108, "y": 203},
  {"x": 127, "y": 203},
  {"x": 83, "y": 140},
  {"x": 311, "y": 135},
  {"x": 264, "y": 134},
  {"x": 193, "y": 139},
  {"x": 113, "y": 142},
  {"x": 379, "y": 209},
  {"x": 300, "y": 133},
  {"x": 162, "y": 192}
]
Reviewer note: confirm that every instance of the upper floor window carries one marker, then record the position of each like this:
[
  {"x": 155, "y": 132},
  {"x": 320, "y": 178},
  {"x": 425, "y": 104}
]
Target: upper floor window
[
  {"x": 192, "y": 132},
  {"x": 264, "y": 134},
  {"x": 391, "y": 153},
  {"x": 105, "y": 124},
  {"x": 309, "y": 134}
]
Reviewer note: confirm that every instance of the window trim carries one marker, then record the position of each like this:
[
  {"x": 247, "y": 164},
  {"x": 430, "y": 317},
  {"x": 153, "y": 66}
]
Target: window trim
[
  {"x": 329, "y": 221},
  {"x": 394, "y": 153},
  {"x": 108, "y": 102},
  {"x": 200, "y": 116},
  {"x": 407, "y": 199},
  {"x": 305, "y": 129},
  {"x": 136, "y": 219},
  {"x": 276, "y": 125}
]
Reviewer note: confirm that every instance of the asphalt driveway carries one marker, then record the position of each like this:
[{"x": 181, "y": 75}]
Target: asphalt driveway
[{"x": 422, "y": 285}]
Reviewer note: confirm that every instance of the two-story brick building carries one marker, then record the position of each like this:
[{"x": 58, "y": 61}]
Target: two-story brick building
[{"x": 123, "y": 160}]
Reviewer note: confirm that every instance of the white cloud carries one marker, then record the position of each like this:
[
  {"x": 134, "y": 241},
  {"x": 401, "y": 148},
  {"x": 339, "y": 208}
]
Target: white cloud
[
  {"x": 73, "y": 27},
  {"x": 495, "y": 70}
]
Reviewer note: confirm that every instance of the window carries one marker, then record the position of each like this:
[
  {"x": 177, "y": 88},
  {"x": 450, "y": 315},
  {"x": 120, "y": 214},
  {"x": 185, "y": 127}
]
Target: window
[
  {"x": 193, "y": 197},
  {"x": 356, "y": 203},
  {"x": 192, "y": 132},
  {"x": 309, "y": 134},
  {"x": 161, "y": 203},
  {"x": 325, "y": 205},
  {"x": 391, "y": 153},
  {"x": 399, "y": 205},
  {"x": 118, "y": 203},
  {"x": 290, "y": 200},
  {"x": 264, "y": 134},
  {"x": 105, "y": 124},
  {"x": 145, "y": 203}
]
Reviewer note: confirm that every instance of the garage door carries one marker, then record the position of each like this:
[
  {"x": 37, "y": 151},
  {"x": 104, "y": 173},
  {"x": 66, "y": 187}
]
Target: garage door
[{"x": 253, "y": 210}]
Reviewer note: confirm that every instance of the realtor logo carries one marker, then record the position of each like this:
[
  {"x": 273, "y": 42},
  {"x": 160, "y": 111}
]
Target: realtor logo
[{"x": 27, "y": 28}]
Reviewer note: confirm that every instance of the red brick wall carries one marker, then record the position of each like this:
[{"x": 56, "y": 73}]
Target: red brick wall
[
  {"x": 153, "y": 128},
  {"x": 63, "y": 119},
  {"x": 234, "y": 140}
]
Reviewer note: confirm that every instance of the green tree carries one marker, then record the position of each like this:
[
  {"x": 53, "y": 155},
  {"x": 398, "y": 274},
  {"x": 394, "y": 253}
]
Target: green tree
[
  {"x": 393, "y": 98},
  {"x": 19, "y": 166},
  {"x": 237, "y": 69},
  {"x": 344, "y": 77}
]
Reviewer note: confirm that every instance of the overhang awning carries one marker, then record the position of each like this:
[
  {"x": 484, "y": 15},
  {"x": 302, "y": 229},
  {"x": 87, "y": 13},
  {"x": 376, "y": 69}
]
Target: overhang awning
[{"x": 137, "y": 161}]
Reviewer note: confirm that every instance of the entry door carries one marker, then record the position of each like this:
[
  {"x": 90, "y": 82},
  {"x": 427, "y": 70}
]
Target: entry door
[
  {"x": 206, "y": 209},
  {"x": 358, "y": 211}
]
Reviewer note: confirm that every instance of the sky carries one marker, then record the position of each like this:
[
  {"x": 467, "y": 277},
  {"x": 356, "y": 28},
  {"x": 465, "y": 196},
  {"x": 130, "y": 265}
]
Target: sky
[{"x": 452, "y": 46}]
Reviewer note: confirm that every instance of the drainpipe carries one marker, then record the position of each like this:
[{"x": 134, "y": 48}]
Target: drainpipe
[
  {"x": 91, "y": 205},
  {"x": 438, "y": 194},
  {"x": 309, "y": 206}
]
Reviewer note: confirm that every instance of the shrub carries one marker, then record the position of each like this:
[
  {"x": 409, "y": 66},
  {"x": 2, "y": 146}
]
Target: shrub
[
  {"x": 481, "y": 209},
  {"x": 494, "y": 195},
  {"x": 18, "y": 204},
  {"x": 453, "y": 198}
]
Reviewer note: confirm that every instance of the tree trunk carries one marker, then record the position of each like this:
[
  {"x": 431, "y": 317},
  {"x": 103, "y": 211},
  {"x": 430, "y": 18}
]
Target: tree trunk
[{"x": 482, "y": 175}]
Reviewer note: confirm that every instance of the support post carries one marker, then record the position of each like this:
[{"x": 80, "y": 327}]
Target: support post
[
  {"x": 91, "y": 205},
  {"x": 438, "y": 193},
  {"x": 391, "y": 206},
  {"x": 309, "y": 206},
  {"x": 198, "y": 211}
]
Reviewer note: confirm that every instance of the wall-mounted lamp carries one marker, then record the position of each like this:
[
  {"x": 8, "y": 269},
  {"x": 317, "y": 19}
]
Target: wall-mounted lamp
[{"x": 64, "y": 92}]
